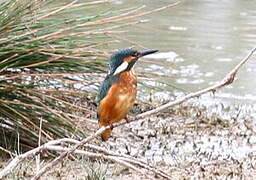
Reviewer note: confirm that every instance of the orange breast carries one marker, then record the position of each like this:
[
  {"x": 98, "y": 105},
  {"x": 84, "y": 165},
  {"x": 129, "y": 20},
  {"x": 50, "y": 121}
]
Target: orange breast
[{"x": 119, "y": 99}]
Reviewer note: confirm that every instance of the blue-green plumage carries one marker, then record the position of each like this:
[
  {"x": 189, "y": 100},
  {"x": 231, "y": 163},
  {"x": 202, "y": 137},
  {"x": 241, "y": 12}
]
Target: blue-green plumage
[
  {"x": 109, "y": 80},
  {"x": 115, "y": 61},
  {"x": 118, "y": 57}
]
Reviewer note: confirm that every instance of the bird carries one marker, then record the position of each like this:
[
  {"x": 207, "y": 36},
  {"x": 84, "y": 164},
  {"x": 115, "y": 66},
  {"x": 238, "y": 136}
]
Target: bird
[{"x": 118, "y": 91}]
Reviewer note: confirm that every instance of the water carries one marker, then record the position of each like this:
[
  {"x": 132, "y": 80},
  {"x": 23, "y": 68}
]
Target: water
[{"x": 199, "y": 41}]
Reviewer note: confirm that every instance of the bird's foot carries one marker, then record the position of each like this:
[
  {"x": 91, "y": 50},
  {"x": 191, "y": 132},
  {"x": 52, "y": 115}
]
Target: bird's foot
[{"x": 127, "y": 119}]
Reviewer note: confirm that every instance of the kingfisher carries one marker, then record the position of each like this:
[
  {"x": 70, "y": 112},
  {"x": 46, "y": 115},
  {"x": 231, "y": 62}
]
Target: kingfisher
[{"x": 118, "y": 91}]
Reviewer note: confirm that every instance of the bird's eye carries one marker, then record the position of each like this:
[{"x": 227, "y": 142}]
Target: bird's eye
[{"x": 136, "y": 54}]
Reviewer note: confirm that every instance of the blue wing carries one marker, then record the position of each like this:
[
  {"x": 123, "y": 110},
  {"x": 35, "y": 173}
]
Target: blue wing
[{"x": 107, "y": 83}]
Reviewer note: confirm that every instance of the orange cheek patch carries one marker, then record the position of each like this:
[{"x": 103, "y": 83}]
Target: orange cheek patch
[{"x": 128, "y": 59}]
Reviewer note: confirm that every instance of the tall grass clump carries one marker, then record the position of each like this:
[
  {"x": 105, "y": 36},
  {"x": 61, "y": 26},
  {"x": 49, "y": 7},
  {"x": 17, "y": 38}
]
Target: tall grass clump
[{"x": 42, "y": 44}]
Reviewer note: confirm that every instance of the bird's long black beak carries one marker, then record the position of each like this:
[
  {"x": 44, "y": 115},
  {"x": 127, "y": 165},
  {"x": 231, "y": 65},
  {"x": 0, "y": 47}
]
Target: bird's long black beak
[{"x": 147, "y": 52}]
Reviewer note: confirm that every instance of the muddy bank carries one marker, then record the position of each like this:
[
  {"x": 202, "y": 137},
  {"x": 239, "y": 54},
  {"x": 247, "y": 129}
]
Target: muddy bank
[
  {"x": 193, "y": 145},
  {"x": 187, "y": 142}
]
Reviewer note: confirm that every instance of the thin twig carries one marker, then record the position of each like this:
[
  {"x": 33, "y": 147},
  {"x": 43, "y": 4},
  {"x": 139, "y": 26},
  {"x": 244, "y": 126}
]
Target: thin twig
[
  {"x": 7, "y": 151},
  {"x": 39, "y": 144}
]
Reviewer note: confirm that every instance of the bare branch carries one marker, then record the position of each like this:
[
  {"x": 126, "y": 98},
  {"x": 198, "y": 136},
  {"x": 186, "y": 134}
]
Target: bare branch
[
  {"x": 67, "y": 153},
  {"x": 123, "y": 162},
  {"x": 18, "y": 159},
  {"x": 228, "y": 79},
  {"x": 122, "y": 159}
]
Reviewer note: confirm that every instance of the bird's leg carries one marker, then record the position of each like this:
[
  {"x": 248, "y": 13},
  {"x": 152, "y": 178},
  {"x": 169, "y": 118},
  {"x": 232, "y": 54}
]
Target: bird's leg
[
  {"x": 111, "y": 126},
  {"x": 127, "y": 119}
]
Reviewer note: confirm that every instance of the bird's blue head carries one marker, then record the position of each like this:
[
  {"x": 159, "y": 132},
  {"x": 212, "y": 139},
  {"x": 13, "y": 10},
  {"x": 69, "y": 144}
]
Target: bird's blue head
[{"x": 124, "y": 60}]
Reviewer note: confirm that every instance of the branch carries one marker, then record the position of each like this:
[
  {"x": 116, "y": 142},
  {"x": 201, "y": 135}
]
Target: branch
[
  {"x": 18, "y": 159},
  {"x": 67, "y": 153},
  {"x": 130, "y": 159},
  {"x": 228, "y": 79},
  {"x": 123, "y": 159},
  {"x": 116, "y": 159},
  {"x": 126, "y": 157}
]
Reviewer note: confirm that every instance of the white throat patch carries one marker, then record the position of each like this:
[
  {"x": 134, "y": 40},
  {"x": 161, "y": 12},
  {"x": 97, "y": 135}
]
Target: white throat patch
[{"x": 121, "y": 68}]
